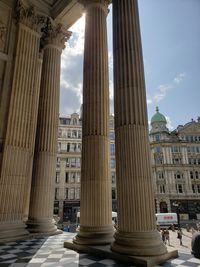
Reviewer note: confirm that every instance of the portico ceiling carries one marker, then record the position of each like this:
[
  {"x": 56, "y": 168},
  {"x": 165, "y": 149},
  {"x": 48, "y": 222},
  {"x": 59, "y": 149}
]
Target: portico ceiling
[{"x": 65, "y": 11}]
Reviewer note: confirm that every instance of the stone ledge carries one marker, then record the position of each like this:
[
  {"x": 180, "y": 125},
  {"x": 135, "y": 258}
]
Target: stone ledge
[{"x": 106, "y": 252}]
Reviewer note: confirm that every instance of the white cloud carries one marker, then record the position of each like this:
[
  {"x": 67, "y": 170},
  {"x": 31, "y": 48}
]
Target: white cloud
[
  {"x": 72, "y": 70},
  {"x": 179, "y": 78},
  {"x": 169, "y": 123},
  {"x": 161, "y": 92}
]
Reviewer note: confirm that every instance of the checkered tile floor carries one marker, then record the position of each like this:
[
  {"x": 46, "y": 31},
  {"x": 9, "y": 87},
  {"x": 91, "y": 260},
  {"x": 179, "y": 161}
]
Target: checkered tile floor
[{"x": 49, "y": 251}]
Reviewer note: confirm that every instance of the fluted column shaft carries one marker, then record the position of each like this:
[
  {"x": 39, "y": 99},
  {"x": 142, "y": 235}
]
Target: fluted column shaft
[
  {"x": 44, "y": 166},
  {"x": 20, "y": 135},
  {"x": 136, "y": 233},
  {"x": 95, "y": 221}
]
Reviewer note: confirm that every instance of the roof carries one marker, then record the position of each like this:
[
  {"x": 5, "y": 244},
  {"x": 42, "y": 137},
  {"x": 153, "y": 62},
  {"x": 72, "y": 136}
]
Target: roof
[{"x": 158, "y": 117}]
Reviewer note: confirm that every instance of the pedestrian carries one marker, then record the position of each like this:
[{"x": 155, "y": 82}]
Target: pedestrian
[
  {"x": 167, "y": 238},
  {"x": 180, "y": 235},
  {"x": 163, "y": 236}
]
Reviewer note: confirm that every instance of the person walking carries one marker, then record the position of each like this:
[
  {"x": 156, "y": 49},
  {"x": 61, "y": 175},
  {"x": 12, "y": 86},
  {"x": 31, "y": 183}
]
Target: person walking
[
  {"x": 167, "y": 237},
  {"x": 163, "y": 236},
  {"x": 180, "y": 235}
]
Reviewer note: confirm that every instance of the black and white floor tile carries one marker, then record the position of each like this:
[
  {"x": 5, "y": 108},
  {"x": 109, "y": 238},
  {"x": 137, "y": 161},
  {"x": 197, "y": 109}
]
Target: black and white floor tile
[{"x": 49, "y": 251}]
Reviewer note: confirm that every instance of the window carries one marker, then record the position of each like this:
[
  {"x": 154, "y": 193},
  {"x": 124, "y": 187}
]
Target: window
[
  {"x": 71, "y": 193},
  {"x": 113, "y": 177},
  {"x": 179, "y": 188},
  {"x": 79, "y": 134},
  {"x": 112, "y": 149},
  {"x": 111, "y": 123},
  {"x": 113, "y": 193},
  {"x": 58, "y": 163},
  {"x": 72, "y": 177},
  {"x": 191, "y": 175},
  {"x": 67, "y": 162},
  {"x": 66, "y": 177},
  {"x": 112, "y": 136},
  {"x": 176, "y": 161},
  {"x": 73, "y": 162},
  {"x": 56, "y": 193},
  {"x": 79, "y": 147},
  {"x": 74, "y": 121},
  {"x": 175, "y": 149},
  {"x": 198, "y": 188},
  {"x": 112, "y": 163},
  {"x": 160, "y": 175},
  {"x": 162, "y": 189},
  {"x": 74, "y": 134},
  {"x": 66, "y": 193},
  {"x": 78, "y": 177},
  {"x": 158, "y": 159},
  {"x": 157, "y": 137},
  {"x": 57, "y": 177},
  {"x": 73, "y": 147},
  {"x": 178, "y": 175},
  {"x": 158, "y": 149},
  {"x": 69, "y": 134},
  {"x": 196, "y": 175},
  {"x": 68, "y": 147},
  {"x": 77, "y": 193},
  {"x": 193, "y": 188}
]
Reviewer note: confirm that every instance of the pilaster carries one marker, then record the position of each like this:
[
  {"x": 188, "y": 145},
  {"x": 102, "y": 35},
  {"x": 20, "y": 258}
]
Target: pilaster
[
  {"x": 21, "y": 128},
  {"x": 44, "y": 166},
  {"x": 136, "y": 233},
  {"x": 96, "y": 202}
]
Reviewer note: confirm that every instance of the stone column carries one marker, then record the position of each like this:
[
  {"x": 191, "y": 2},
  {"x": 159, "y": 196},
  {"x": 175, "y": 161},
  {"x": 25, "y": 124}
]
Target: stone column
[
  {"x": 21, "y": 127},
  {"x": 136, "y": 233},
  {"x": 96, "y": 206},
  {"x": 44, "y": 166}
]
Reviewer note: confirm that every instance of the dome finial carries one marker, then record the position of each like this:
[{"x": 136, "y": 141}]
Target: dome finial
[{"x": 157, "y": 109}]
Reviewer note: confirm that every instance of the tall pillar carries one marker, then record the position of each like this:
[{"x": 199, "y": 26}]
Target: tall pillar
[
  {"x": 44, "y": 166},
  {"x": 96, "y": 206},
  {"x": 18, "y": 150},
  {"x": 136, "y": 233}
]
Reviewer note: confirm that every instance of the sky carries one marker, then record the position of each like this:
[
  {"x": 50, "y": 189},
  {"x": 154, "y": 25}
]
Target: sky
[{"x": 170, "y": 34}]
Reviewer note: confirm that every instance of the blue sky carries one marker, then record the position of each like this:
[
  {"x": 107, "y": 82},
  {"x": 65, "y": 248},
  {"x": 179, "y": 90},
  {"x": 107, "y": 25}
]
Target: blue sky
[{"x": 171, "y": 51}]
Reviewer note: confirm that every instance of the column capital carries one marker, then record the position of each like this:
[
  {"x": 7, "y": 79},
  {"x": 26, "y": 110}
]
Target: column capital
[
  {"x": 96, "y": 3},
  {"x": 55, "y": 34},
  {"x": 27, "y": 15}
]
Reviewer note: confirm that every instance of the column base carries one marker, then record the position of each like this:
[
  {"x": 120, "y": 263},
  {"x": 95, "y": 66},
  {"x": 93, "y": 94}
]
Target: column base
[
  {"x": 46, "y": 226},
  {"x": 94, "y": 235},
  {"x": 147, "y": 243},
  {"x": 10, "y": 231}
]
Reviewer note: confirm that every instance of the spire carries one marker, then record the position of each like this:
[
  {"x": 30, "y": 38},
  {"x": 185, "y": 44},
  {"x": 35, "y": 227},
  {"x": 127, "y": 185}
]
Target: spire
[{"x": 157, "y": 109}]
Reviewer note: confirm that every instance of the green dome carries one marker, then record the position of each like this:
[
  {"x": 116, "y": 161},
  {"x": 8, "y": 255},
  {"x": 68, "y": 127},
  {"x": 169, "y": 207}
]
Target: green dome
[{"x": 158, "y": 117}]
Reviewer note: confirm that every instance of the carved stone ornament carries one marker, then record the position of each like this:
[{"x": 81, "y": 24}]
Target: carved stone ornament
[
  {"x": 101, "y": 3},
  {"x": 27, "y": 15},
  {"x": 54, "y": 33}
]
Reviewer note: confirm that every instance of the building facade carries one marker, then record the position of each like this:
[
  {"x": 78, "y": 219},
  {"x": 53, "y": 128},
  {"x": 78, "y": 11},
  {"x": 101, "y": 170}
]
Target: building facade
[
  {"x": 175, "y": 160},
  {"x": 68, "y": 167}
]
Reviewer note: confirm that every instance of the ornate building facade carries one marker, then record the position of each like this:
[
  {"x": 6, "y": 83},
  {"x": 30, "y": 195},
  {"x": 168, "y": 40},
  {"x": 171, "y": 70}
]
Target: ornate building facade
[
  {"x": 68, "y": 174},
  {"x": 175, "y": 160}
]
